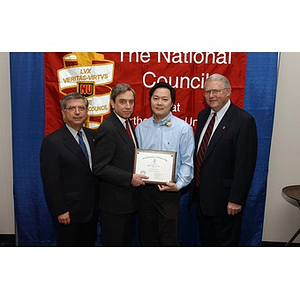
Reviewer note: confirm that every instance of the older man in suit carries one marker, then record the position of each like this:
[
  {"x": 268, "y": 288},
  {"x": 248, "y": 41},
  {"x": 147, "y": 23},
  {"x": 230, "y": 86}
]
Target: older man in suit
[
  {"x": 114, "y": 158},
  {"x": 225, "y": 159},
  {"x": 66, "y": 169}
]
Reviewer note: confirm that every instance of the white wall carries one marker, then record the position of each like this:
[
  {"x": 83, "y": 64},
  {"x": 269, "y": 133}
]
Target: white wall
[
  {"x": 7, "y": 222},
  {"x": 282, "y": 219}
]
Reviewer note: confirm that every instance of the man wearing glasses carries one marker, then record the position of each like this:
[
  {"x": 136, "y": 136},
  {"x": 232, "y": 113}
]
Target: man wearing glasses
[
  {"x": 225, "y": 159},
  {"x": 66, "y": 169}
]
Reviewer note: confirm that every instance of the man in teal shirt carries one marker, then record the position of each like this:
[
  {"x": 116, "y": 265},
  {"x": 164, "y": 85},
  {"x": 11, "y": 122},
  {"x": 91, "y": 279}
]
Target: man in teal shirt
[{"x": 159, "y": 204}]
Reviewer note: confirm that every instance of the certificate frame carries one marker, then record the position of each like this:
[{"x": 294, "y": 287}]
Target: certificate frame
[{"x": 159, "y": 165}]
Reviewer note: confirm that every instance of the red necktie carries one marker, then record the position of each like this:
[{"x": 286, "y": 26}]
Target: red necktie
[
  {"x": 129, "y": 132},
  {"x": 202, "y": 149},
  {"x": 128, "y": 129}
]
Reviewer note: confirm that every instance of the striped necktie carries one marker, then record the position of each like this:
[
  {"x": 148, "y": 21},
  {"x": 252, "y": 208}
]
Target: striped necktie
[{"x": 202, "y": 149}]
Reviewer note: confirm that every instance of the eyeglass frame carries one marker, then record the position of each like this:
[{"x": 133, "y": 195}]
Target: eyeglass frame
[
  {"x": 214, "y": 91},
  {"x": 73, "y": 108}
]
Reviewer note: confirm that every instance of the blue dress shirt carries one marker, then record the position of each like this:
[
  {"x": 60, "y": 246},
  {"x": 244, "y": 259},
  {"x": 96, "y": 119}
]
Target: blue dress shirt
[{"x": 170, "y": 134}]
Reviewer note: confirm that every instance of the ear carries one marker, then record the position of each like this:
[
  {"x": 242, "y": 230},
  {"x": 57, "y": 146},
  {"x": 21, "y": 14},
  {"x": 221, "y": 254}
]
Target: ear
[
  {"x": 112, "y": 103},
  {"x": 229, "y": 92},
  {"x": 63, "y": 115}
]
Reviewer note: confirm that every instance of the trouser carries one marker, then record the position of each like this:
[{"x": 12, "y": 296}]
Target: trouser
[
  {"x": 158, "y": 216},
  {"x": 117, "y": 229},
  {"x": 220, "y": 231},
  {"x": 77, "y": 234}
]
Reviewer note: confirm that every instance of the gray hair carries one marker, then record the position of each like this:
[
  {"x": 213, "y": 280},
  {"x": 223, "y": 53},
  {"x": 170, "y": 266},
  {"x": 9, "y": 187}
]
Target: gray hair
[
  {"x": 73, "y": 95},
  {"x": 121, "y": 88},
  {"x": 219, "y": 77}
]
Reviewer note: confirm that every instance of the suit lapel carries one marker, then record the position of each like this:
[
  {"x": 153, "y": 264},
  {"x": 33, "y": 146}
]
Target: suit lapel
[
  {"x": 73, "y": 146},
  {"x": 133, "y": 131},
  {"x": 122, "y": 131},
  {"x": 201, "y": 122},
  {"x": 90, "y": 139}
]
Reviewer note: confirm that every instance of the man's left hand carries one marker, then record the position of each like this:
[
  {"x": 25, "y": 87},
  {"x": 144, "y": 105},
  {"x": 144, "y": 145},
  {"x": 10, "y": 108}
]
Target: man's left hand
[
  {"x": 233, "y": 209},
  {"x": 168, "y": 187}
]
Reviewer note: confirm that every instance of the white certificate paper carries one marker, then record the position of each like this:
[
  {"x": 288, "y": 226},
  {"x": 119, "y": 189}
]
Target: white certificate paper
[{"x": 158, "y": 165}]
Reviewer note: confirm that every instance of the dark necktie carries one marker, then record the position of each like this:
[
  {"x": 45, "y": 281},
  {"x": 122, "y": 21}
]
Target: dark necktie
[
  {"x": 82, "y": 145},
  {"x": 202, "y": 149}
]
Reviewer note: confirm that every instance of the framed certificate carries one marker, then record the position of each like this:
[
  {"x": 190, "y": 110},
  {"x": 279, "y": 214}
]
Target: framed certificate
[{"x": 158, "y": 165}]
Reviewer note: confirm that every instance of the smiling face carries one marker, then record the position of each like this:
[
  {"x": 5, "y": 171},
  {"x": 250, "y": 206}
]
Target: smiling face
[
  {"x": 216, "y": 95},
  {"x": 75, "y": 113},
  {"x": 161, "y": 103}
]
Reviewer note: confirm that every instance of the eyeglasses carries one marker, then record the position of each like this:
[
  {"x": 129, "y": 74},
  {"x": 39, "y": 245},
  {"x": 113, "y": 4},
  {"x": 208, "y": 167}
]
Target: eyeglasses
[
  {"x": 73, "y": 108},
  {"x": 214, "y": 92}
]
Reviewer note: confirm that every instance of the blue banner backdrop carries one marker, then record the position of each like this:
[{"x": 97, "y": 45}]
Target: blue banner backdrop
[{"x": 34, "y": 221}]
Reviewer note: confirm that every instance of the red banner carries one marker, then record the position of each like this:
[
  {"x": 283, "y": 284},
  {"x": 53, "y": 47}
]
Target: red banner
[{"x": 94, "y": 74}]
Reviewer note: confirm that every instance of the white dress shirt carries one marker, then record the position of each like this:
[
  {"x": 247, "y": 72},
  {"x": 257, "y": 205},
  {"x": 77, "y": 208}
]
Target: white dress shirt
[{"x": 219, "y": 115}]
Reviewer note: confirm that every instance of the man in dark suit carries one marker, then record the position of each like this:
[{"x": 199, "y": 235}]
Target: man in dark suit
[
  {"x": 66, "y": 169},
  {"x": 114, "y": 158},
  {"x": 224, "y": 168}
]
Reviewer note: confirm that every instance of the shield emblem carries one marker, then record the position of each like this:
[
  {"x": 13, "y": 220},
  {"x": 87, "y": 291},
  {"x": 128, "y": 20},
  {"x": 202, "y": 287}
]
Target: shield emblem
[{"x": 86, "y": 89}]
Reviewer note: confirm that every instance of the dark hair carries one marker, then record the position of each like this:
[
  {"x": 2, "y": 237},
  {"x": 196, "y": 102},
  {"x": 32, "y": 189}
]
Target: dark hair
[
  {"x": 120, "y": 88},
  {"x": 73, "y": 95},
  {"x": 163, "y": 85}
]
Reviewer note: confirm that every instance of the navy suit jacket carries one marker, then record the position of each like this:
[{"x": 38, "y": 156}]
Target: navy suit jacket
[
  {"x": 69, "y": 183},
  {"x": 114, "y": 158},
  {"x": 227, "y": 169}
]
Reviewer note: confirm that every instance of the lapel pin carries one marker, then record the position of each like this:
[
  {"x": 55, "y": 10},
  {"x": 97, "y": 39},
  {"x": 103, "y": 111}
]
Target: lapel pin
[{"x": 224, "y": 127}]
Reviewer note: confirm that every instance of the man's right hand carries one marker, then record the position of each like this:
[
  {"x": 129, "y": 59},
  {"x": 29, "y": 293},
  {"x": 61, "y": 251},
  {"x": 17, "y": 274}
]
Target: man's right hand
[
  {"x": 64, "y": 218},
  {"x": 137, "y": 180}
]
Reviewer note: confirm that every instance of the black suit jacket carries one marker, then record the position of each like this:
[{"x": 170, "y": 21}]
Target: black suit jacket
[
  {"x": 114, "y": 157},
  {"x": 69, "y": 183},
  {"x": 228, "y": 167}
]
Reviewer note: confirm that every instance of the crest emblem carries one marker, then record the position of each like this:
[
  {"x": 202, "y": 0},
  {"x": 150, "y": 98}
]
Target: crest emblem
[{"x": 89, "y": 74}]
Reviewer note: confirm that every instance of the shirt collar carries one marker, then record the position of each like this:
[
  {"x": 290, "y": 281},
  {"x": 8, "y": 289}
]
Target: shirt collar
[
  {"x": 164, "y": 120},
  {"x": 222, "y": 111},
  {"x": 122, "y": 120},
  {"x": 74, "y": 131}
]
